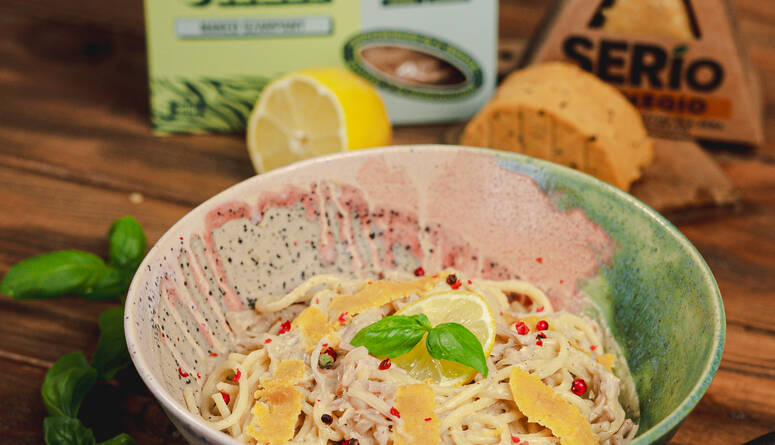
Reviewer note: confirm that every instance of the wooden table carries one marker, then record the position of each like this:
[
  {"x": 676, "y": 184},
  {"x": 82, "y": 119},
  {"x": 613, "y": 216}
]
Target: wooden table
[{"x": 75, "y": 142}]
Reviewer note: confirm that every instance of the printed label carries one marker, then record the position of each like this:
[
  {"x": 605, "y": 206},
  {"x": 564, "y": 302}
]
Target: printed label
[
  {"x": 252, "y": 2},
  {"x": 252, "y": 27},
  {"x": 678, "y": 104}
]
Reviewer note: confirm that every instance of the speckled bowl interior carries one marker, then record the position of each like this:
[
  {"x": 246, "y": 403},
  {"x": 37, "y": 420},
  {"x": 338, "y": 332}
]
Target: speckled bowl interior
[{"x": 496, "y": 215}]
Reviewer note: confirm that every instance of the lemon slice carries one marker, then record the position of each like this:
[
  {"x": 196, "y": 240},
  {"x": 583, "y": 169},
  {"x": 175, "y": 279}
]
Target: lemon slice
[
  {"x": 464, "y": 307},
  {"x": 315, "y": 112}
]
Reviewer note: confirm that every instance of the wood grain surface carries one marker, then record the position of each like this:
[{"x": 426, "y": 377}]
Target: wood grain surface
[{"x": 75, "y": 142}]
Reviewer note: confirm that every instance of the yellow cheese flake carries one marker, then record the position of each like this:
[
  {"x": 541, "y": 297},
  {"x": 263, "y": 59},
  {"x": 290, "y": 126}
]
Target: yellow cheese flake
[
  {"x": 275, "y": 414},
  {"x": 542, "y": 405},
  {"x": 380, "y": 292},
  {"x": 313, "y": 325},
  {"x": 415, "y": 404},
  {"x": 288, "y": 372},
  {"x": 278, "y": 404},
  {"x": 607, "y": 360}
]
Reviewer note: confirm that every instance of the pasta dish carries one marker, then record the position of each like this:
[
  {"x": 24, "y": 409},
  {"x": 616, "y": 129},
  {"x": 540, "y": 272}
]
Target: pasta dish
[{"x": 415, "y": 359}]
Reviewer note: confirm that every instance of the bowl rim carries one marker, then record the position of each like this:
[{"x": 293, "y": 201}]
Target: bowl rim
[{"x": 668, "y": 425}]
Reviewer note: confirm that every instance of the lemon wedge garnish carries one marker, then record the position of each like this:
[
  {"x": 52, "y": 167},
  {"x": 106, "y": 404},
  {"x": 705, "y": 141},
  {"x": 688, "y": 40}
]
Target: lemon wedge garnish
[
  {"x": 314, "y": 112},
  {"x": 464, "y": 307}
]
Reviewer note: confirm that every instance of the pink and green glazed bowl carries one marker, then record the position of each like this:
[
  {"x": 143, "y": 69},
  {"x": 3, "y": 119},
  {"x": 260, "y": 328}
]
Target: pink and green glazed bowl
[{"x": 591, "y": 247}]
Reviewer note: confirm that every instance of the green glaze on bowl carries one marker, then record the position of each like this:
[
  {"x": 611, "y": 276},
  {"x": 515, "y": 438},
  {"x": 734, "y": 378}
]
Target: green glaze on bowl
[{"x": 657, "y": 295}]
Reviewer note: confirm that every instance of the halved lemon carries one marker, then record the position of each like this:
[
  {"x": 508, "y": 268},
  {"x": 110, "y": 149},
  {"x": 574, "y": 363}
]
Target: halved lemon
[
  {"x": 314, "y": 112},
  {"x": 464, "y": 307}
]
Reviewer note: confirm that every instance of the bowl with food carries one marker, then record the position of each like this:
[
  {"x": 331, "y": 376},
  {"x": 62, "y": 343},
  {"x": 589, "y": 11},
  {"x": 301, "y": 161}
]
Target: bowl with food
[{"x": 425, "y": 295}]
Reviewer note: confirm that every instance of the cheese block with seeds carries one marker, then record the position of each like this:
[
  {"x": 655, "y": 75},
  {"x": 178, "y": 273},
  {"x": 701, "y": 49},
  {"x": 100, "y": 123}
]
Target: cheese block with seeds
[{"x": 558, "y": 112}]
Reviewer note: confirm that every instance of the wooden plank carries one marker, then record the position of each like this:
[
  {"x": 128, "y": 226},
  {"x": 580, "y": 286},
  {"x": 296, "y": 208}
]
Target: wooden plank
[
  {"x": 725, "y": 415},
  {"x": 739, "y": 247},
  {"x": 46, "y": 77},
  {"x": 127, "y": 15},
  {"x": 21, "y": 423},
  {"x": 39, "y": 213}
]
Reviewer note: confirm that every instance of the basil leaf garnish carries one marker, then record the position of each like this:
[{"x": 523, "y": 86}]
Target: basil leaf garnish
[
  {"x": 393, "y": 336},
  {"x": 111, "y": 355},
  {"x": 66, "y": 431},
  {"x": 453, "y": 342},
  {"x": 51, "y": 275},
  {"x": 127, "y": 244},
  {"x": 66, "y": 384}
]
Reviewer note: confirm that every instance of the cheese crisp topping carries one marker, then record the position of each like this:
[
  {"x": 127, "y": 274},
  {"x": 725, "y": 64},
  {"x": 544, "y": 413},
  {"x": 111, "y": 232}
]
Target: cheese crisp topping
[
  {"x": 378, "y": 293},
  {"x": 313, "y": 325},
  {"x": 278, "y": 404},
  {"x": 542, "y": 405},
  {"x": 419, "y": 424}
]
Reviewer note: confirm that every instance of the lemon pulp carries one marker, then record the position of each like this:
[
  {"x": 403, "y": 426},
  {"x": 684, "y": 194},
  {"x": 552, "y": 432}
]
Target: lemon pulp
[
  {"x": 314, "y": 112},
  {"x": 464, "y": 307}
]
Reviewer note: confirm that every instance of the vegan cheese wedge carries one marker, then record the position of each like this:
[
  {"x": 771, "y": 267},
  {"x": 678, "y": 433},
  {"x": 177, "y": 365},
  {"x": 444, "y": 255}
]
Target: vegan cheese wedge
[
  {"x": 665, "y": 18},
  {"x": 558, "y": 112}
]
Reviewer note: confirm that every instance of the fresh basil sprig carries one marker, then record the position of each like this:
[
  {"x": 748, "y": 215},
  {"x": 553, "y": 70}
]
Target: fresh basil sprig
[
  {"x": 70, "y": 431},
  {"x": 78, "y": 273},
  {"x": 111, "y": 355},
  {"x": 70, "y": 379},
  {"x": 66, "y": 384},
  {"x": 74, "y": 272},
  {"x": 127, "y": 244},
  {"x": 397, "y": 334},
  {"x": 66, "y": 431}
]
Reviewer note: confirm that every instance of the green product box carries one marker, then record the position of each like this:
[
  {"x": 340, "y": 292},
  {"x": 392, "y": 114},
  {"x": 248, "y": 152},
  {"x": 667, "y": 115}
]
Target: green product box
[{"x": 432, "y": 60}]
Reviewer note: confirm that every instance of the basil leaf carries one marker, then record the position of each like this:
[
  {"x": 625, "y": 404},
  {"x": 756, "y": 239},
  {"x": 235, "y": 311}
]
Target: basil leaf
[
  {"x": 454, "y": 342},
  {"x": 66, "y": 431},
  {"x": 127, "y": 244},
  {"x": 113, "y": 283},
  {"x": 66, "y": 384},
  {"x": 121, "y": 439},
  {"x": 392, "y": 336},
  {"x": 111, "y": 355},
  {"x": 52, "y": 275}
]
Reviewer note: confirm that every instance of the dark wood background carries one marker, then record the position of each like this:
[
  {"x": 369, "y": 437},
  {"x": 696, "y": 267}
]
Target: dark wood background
[{"x": 75, "y": 142}]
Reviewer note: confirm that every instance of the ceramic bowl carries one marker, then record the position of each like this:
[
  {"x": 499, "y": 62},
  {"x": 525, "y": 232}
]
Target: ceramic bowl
[{"x": 488, "y": 213}]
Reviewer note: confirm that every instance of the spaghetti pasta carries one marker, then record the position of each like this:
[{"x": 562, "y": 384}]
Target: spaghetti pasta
[{"x": 356, "y": 397}]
